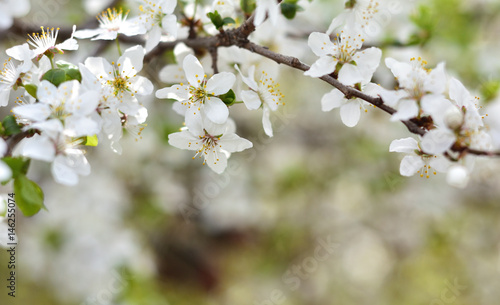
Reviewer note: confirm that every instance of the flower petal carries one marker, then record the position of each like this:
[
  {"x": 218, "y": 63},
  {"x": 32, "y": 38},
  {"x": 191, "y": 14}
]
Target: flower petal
[
  {"x": 410, "y": 165},
  {"x": 437, "y": 141},
  {"x": 331, "y": 100},
  {"x": 350, "y": 113},
  {"x": 216, "y": 110},
  {"x": 323, "y": 66},
  {"x": 251, "y": 99},
  {"x": 220, "y": 83},
  {"x": 194, "y": 70},
  {"x": 406, "y": 145}
]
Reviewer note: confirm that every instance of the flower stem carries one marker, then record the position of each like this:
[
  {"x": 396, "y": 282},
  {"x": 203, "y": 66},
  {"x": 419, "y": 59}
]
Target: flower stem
[{"x": 118, "y": 46}]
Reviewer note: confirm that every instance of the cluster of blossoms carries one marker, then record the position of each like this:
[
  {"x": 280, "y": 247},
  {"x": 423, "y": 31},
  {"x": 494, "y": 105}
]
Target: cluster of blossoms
[{"x": 64, "y": 107}]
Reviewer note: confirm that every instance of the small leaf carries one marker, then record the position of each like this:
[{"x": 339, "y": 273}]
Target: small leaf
[
  {"x": 229, "y": 98},
  {"x": 216, "y": 19},
  {"x": 55, "y": 76},
  {"x": 228, "y": 20},
  {"x": 72, "y": 74},
  {"x": 31, "y": 89},
  {"x": 248, "y": 6},
  {"x": 18, "y": 165},
  {"x": 91, "y": 140},
  {"x": 29, "y": 196},
  {"x": 289, "y": 10},
  {"x": 10, "y": 125}
]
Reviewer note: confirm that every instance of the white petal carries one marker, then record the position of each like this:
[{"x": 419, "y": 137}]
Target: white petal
[
  {"x": 368, "y": 61},
  {"x": 176, "y": 92},
  {"x": 142, "y": 86},
  {"x": 130, "y": 62},
  {"x": 76, "y": 126},
  {"x": 216, "y": 161},
  {"x": 399, "y": 69},
  {"x": 440, "y": 163},
  {"x": 216, "y": 110},
  {"x": 184, "y": 140},
  {"x": 320, "y": 44},
  {"x": 407, "y": 109},
  {"x": 154, "y": 37},
  {"x": 233, "y": 143},
  {"x": 46, "y": 92},
  {"x": 172, "y": 74},
  {"x": 437, "y": 141},
  {"x": 406, "y": 145},
  {"x": 5, "y": 171},
  {"x": 459, "y": 93},
  {"x": 350, "y": 113},
  {"x": 33, "y": 112},
  {"x": 266, "y": 122},
  {"x": 194, "y": 70},
  {"x": 39, "y": 147},
  {"x": 331, "y": 100},
  {"x": 249, "y": 81},
  {"x": 169, "y": 25},
  {"x": 350, "y": 75},
  {"x": 323, "y": 66},
  {"x": 220, "y": 83},
  {"x": 436, "y": 80},
  {"x": 410, "y": 165},
  {"x": 251, "y": 99}
]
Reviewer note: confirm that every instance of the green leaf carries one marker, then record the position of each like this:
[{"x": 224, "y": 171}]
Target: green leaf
[
  {"x": 229, "y": 98},
  {"x": 72, "y": 74},
  {"x": 29, "y": 196},
  {"x": 216, "y": 19},
  {"x": 18, "y": 165},
  {"x": 248, "y": 6},
  {"x": 10, "y": 125},
  {"x": 55, "y": 76},
  {"x": 31, "y": 89},
  {"x": 228, "y": 20},
  {"x": 289, "y": 9},
  {"x": 91, "y": 140}
]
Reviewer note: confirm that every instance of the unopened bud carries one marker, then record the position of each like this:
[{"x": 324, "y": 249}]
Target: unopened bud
[{"x": 453, "y": 118}]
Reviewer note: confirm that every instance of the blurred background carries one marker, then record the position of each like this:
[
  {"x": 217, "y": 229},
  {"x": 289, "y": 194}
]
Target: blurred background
[{"x": 318, "y": 214}]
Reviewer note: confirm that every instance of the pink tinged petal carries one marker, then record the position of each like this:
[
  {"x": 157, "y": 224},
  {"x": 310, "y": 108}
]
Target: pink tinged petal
[
  {"x": 331, "y": 100},
  {"x": 216, "y": 110},
  {"x": 398, "y": 69},
  {"x": 249, "y": 81},
  {"x": 439, "y": 163},
  {"x": 220, "y": 83},
  {"x": 437, "y": 141},
  {"x": 184, "y": 140},
  {"x": 39, "y": 147},
  {"x": 320, "y": 44},
  {"x": 350, "y": 75},
  {"x": 406, "y": 145},
  {"x": 458, "y": 176},
  {"x": 5, "y": 171},
  {"x": 407, "y": 109},
  {"x": 154, "y": 37},
  {"x": 76, "y": 126},
  {"x": 435, "y": 82},
  {"x": 410, "y": 165},
  {"x": 34, "y": 112},
  {"x": 194, "y": 70},
  {"x": 176, "y": 92},
  {"x": 266, "y": 122},
  {"x": 216, "y": 160},
  {"x": 350, "y": 113},
  {"x": 323, "y": 66},
  {"x": 251, "y": 99},
  {"x": 231, "y": 142},
  {"x": 169, "y": 25}
]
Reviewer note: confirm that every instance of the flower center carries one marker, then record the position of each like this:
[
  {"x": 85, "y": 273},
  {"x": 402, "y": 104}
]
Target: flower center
[{"x": 111, "y": 19}]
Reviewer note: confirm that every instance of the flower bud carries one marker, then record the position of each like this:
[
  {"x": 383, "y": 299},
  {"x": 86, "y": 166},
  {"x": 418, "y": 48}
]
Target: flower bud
[
  {"x": 458, "y": 176},
  {"x": 453, "y": 118}
]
